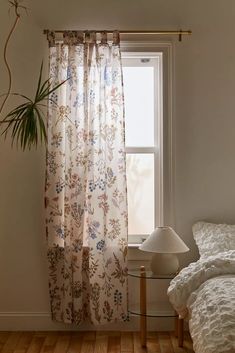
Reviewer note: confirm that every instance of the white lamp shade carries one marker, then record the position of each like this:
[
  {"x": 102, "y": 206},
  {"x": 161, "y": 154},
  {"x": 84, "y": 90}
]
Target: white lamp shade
[{"x": 164, "y": 240}]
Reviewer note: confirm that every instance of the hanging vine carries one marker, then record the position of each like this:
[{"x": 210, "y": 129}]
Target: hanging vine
[{"x": 16, "y": 8}]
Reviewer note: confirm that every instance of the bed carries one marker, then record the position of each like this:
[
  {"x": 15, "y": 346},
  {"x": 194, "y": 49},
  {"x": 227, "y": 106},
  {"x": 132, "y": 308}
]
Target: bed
[{"x": 204, "y": 292}]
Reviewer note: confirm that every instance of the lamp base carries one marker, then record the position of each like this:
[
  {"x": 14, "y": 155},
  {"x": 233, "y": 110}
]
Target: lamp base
[{"x": 164, "y": 264}]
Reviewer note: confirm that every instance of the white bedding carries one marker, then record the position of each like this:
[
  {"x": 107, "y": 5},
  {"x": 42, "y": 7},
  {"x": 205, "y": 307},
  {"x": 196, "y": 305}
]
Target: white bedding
[{"x": 205, "y": 293}]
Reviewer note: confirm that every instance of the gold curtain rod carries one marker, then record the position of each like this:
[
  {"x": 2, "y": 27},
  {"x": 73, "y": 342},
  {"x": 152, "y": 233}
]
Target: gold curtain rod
[{"x": 180, "y": 33}]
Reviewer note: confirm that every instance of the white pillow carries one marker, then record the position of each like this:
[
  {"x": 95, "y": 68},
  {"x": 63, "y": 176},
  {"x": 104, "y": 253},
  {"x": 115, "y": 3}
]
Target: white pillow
[{"x": 212, "y": 239}]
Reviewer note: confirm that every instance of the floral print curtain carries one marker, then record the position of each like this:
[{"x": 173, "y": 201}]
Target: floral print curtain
[{"x": 86, "y": 198}]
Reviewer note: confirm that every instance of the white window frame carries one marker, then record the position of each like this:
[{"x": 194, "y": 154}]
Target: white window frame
[{"x": 163, "y": 161}]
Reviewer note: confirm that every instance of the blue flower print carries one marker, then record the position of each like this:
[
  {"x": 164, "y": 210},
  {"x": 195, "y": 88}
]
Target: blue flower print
[
  {"x": 125, "y": 317},
  {"x": 79, "y": 100},
  {"x": 100, "y": 245},
  {"x": 54, "y": 98},
  {"x": 60, "y": 232},
  {"x": 102, "y": 184},
  {"x": 92, "y": 185},
  {"x": 59, "y": 187},
  {"x": 117, "y": 297},
  {"x": 93, "y": 229},
  {"x": 107, "y": 77},
  {"x": 70, "y": 76},
  {"x": 92, "y": 96},
  {"x": 114, "y": 76},
  {"x": 92, "y": 232}
]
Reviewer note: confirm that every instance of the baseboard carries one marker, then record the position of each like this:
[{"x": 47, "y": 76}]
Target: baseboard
[{"x": 41, "y": 321}]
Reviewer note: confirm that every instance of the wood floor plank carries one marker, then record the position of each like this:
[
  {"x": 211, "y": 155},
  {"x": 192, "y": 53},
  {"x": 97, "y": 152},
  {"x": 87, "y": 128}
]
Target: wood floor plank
[
  {"x": 137, "y": 343},
  {"x": 174, "y": 342},
  {"x": 127, "y": 342},
  {"x": 88, "y": 342},
  {"x": 114, "y": 344},
  {"x": 111, "y": 333},
  {"x": 24, "y": 342},
  {"x": 49, "y": 342},
  {"x": 91, "y": 342},
  {"x": 75, "y": 343},
  {"x": 36, "y": 343},
  {"x": 62, "y": 343},
  {"x": 165, "y": 342},
  {"x": 153, "y": 345},
  {"x": 89, "y": 335},
  {"x": 101, "y": 344},
  {"x": 11, "y": 342},
  {"x": 3, "y": 338}
]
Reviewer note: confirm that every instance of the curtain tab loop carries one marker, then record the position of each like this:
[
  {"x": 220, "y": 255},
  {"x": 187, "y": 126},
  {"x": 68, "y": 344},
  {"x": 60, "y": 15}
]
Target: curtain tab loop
[
  {"x": 73, "y": 37},
  {"x": 87, "y": 37},
  {"x": 80, "y": 36},
  {"x": 92, "y": 37},
  {"x": 116, "y": 37},
  {"x": 51, "y": 38},
  {"x": 103, "y": 37}
]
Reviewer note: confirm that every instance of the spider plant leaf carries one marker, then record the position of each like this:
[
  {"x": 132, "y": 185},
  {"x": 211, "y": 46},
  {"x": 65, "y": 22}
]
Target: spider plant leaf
[
  {"x": 17, "y": 124},
  {"x": 22, "y": 130},
  {"x": 14, "y": 131},
  {"x": 41, "y": 123},
  {"x": 57, "y": 86},
  {"x": 46, "y": 94},
  {"x": 13, "y": 121},
  {"x": 30, "y": 133},
  {"x": 15, "y": 111},
  {"x": 44, "y": 87},
  {"x": 35, "y": 128},
  {"x": 42, "y": 105},
  {"x": 17, "y": 94},
  {"x": 19, "y": 132},
  {"x": 13, "y": 114},
  {"x": 28, "y": 128},
  {"x": 39, "y": 80},
  {"x": 21, "y": 95}
]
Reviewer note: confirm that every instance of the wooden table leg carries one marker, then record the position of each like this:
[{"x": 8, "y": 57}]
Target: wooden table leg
[
  {"x": 180, "y": 331},
  {"x": 143, "y": 324}
]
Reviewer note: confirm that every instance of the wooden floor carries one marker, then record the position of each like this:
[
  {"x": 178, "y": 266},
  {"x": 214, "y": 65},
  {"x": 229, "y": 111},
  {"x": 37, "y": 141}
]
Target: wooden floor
[{"x": 90, "y": 342}]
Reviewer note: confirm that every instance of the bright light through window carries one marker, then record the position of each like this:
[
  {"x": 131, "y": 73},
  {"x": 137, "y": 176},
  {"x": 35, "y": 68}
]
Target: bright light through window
[
  {"x": 139, "y": 105},
  {"x": 140, "y": 185},
  {"x": 142, "y": 91}
]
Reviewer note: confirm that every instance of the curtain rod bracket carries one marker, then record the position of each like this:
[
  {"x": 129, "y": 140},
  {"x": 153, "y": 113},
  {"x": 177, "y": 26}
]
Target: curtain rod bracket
[{"x": 180, "y": 36}]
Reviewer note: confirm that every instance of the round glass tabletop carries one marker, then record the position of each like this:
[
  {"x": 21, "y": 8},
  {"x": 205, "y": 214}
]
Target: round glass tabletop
[{"x": 149, "y": 275}]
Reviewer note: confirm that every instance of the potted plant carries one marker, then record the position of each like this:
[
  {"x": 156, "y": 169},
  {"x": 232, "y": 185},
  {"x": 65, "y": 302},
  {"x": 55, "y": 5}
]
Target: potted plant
[{"x": 26, "y": 122}]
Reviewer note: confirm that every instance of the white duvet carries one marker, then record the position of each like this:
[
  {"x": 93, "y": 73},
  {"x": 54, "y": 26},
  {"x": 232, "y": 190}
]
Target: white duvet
[{"x": 205, "y": 293}]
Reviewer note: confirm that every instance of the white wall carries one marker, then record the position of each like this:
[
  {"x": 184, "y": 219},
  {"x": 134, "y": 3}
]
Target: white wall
[
  {"x": 23, "y": 269},
  {"x": 204, "y": 131}
]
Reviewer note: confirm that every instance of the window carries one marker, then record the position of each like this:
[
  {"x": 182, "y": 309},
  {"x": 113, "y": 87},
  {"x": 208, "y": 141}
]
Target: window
[{"x": 143, "y": 91}]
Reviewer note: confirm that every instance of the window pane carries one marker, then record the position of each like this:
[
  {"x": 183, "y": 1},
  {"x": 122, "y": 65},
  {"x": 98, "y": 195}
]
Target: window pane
[
  {"x": 139, "y": 105},
  {"x": 140, "y": 187}
]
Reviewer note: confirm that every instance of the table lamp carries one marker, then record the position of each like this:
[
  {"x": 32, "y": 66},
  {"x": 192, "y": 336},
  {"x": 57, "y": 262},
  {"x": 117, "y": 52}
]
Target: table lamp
[{"x": 165, "y": 243}]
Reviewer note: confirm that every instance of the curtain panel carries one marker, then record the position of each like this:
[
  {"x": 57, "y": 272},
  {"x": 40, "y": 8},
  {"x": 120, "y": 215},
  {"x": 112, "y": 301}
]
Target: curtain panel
[{"x": 86, "y": 197}]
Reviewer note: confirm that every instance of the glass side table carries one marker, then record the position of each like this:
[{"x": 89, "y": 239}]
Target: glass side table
[{"x": 142, "y": 311}]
